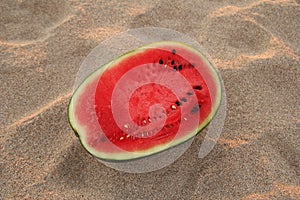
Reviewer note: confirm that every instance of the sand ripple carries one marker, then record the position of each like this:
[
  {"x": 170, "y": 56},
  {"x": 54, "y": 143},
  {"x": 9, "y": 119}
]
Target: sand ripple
[
  {"x": 255, "y": 44},
  {"x": 28, "y": 21}
]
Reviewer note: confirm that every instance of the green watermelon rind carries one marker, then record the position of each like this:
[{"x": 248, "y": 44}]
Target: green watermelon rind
[{"x": 124, "y": 155}]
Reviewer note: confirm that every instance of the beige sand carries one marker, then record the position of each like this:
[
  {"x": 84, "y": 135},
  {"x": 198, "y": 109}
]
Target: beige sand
[{"x": 255, "y": 45}]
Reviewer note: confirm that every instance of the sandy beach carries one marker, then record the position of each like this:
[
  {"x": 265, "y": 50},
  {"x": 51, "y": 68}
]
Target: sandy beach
[{"x": 255, "y": 44}]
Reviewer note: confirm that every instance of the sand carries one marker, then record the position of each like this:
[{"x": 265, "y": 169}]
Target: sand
[{"x": 255, "y": 45}]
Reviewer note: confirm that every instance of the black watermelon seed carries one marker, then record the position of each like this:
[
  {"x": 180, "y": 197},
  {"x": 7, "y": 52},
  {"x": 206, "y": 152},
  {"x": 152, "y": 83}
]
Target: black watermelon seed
[
  {"x": 184, "y": 99},
  {"x": 189, "y": 93},
  {"x": 197, "y": 87},
  {"x": 178, "y": 103},
  {"x": 173, "y": 51},
  {"x": 175, "y": 68},
  {"x": 172, "y": 62},
  {"x": 195, "y": 109},
  {"x": 161, "y": 62},
  {"x": 168, "y": 126},
  {"x": 180, "y": 67}
]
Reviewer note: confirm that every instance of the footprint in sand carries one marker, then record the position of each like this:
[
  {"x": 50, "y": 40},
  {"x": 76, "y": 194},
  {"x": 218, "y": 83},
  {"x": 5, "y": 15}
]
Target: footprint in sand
[{"x": 28, "y": 21}]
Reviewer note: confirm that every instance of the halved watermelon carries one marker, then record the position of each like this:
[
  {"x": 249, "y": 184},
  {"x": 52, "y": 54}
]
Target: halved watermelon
[{"x": 145, "y": 101}]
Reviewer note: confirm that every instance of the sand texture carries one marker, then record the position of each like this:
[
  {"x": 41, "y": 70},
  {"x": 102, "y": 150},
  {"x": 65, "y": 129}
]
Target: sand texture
[{"x": 254, "y": 43}]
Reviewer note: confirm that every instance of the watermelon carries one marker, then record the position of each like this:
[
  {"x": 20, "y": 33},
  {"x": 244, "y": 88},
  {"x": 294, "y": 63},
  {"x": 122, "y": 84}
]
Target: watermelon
[{"x": 145, "y": 101}]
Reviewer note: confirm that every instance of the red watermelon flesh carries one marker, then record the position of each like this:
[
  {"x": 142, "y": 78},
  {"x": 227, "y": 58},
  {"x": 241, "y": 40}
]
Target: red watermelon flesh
[{"x": 145, "y": 101}]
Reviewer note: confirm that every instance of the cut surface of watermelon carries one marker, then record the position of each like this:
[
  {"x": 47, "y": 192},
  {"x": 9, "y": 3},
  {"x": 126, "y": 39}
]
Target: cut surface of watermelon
[{"x": 145, "y": 101}]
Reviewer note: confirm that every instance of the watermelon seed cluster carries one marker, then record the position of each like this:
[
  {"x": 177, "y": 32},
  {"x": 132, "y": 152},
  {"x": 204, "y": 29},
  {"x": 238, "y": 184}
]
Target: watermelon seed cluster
[
  {"x": 175, "y": 68},
  {"x": 196, "y": 108}
]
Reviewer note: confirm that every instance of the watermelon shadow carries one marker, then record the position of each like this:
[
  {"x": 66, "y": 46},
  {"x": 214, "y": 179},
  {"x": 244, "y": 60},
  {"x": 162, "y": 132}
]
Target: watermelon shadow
[{"x": 79, "y": 170}]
